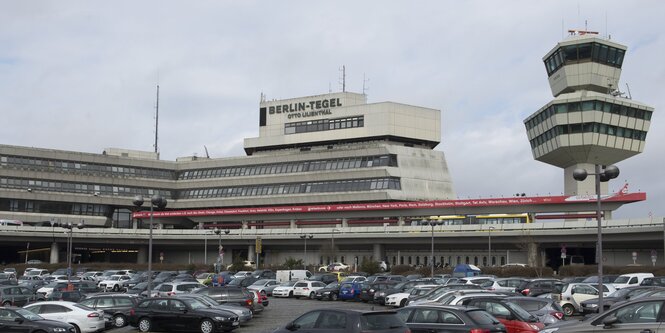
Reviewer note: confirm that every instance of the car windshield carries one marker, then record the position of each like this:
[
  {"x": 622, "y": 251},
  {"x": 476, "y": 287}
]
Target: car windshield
[
  {"x": 332, "y": 285},
  {"x": 260, "y": 282},
  {"x": 622, "y": 279},
  {"x": 620, "y": 293},
  {"x": 523, "y": 314},
  {"x": 203, "y": 276},
  {"x": 35, "y": 272},
  {"x": 28, "y": 314},
  {"x": 379, "y": 321},
  {"x": 141, "y": 285},
  {"x": 482, "y": 317}
]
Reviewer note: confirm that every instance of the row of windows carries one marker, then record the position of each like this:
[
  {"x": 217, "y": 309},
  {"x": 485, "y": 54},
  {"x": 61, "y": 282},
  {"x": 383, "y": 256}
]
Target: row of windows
[
  {"x": 294, "y": 188},
  {"x": 100, "y": 170},
  {"x": 47, "y": 165},
  {"x": 443, "y": 261},
  {"x": 291, "y": 167},
  {"x": 30, "y": 206},
  {"x": 68, "y": 187},
  {"x": 588, "y": 128},
  {"x": 595, "y": 52},
  {"x": 323, "y": 125},
  {"x": 607, "y": 107}
]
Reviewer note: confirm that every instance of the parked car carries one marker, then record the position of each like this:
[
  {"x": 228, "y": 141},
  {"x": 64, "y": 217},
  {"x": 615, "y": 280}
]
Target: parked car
[
  {"x": 329, "y": 293},
  {"x": 32, "y": 282},
  {"x": 173, "y": 288},
  {"x": 85, "y": 319},
  {"x": 231, "y": 295},
  {"x": 63, "y": 295},
  {"x": 285, "y": 289},
  {"x": 591, "y": 305},
  {"x": 503, "y": 284},
  {"x": 628, "y": 280},
  {"x": 264, "y": 286},
  {"x": 448, "y": 318},
  {"x": 18, "y": 296},
  {"x": 264, "y": 274},
  {"x": 326, "y": 278},
  {"x": 537, "y": 287},
  {"x": 547, "y": 310},
  {"x": 640, "y": 315},
  {"x": 369, "y": 289},
  {"x": 511, "y": 315},
  {"x": 244, "y": 314},
  {"x": 401, "y": 299},
  {"x": 653, "y": 281},
  {"x": 158, "y": 314},
  {"x": 22, "y": 320},
  {"x": 348, "y": 321},
  {"x": 114, "y": 282},
  {"x": 305, "y": 288},
  {"x": 117, "y": 306},
  {"x": 244, "y": 281},
  {"x": 573, "y": 294},
  {"x": 8, "y": 279},
  {"x": 350, "y": 291},
  {"x": 334, "y": 267}
]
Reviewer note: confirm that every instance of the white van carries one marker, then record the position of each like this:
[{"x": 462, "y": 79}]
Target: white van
[
  {"x": 627, "y": 280},
  {"x": 292, "y": 275}
]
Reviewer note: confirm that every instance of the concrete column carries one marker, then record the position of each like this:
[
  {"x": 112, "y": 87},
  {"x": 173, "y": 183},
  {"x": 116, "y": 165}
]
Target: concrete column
[
  {"x": 532, "y": 255},
  {"x": 292, "y": 224},
  {"x": 378, "y": 252},
  {"x": 345, "y": 223},
  {"x": 142, "y": 255},
  {"x": 251, "y": 253},
  {"x": 55, "y": 257},
  {"x": 135, "y": 223},
  {"x": 400, "y": 221},
  {"x": 244, "y": 224}
]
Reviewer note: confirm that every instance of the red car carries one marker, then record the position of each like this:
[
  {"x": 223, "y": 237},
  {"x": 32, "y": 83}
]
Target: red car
[{"x": 511, "y": 315}]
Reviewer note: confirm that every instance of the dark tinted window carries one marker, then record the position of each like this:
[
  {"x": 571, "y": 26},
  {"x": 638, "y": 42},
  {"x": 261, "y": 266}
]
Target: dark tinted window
[
  {"x": 481, "y": 317},
  {"x": 379, "y": 321}
]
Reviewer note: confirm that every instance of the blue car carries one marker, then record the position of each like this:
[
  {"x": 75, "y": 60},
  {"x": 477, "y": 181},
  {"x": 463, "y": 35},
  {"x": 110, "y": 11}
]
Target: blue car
[{"x": 350, "y": 290}]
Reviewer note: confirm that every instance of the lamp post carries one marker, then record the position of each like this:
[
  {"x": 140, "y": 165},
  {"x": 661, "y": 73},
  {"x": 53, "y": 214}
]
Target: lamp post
[
  {"x": 70, "y": 232},
  {"x": 159, "y": 202},
  {"x": 332, "y": 243},
  {"x": 220, "y": 256},
  {"x": 489, "y": 246},
  {"x": 609, "y": 172},
  {"x": 205, "y": 247},
  {"x": 310, "y": 236}
]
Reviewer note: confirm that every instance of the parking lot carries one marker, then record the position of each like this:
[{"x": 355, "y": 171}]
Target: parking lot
[{"x": 281, "y": 311}]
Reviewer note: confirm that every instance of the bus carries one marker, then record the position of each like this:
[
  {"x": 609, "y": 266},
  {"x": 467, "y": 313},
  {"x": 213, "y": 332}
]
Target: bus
[
  {"x": 477, "y": 219},
  {"x": 16, "y": 223}
]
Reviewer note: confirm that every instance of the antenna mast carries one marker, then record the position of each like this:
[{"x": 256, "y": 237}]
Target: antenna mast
[
  {"x": 343, "y": 78},
  {"x": 157, "y": 122},
  {"x": 365, "y": 87}
]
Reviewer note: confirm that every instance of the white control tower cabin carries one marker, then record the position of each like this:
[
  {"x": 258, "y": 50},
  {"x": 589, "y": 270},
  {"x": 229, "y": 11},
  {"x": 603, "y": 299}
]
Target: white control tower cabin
[{"x": 589, "y": 121}]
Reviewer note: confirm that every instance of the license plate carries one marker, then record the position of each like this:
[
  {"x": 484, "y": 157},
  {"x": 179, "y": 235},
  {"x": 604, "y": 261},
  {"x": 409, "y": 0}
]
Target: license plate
[{"x": 235, "y": 323}]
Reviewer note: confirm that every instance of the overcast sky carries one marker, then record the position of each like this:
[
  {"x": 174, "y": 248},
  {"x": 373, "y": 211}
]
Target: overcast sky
[{"x": 82, "y": 75}]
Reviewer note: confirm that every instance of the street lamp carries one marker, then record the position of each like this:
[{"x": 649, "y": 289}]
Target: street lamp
[
  {"x": 310, "y": 236},
  {"x": 489, "y": 246},
  {"x": 71, "y": 227},
  {"x": 220, "y": 257},
  {"x": 332, "y": 243},
  {"x": 159, "y": 202},
  {"x": 610, "y": 172}
]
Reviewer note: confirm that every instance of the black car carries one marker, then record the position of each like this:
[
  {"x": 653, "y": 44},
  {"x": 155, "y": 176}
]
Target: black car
[
  {"x": 369, "y": 289},
  {"x": 186, "y": 314},
  {"x": 623, "y": 294},
  {"x": 329, "y": 293},
  {"x": 117, "y": 306},
  {"x": 70, "y": 296},
  {"x": 264, "y": 274},
  {"x": 537, "y": 287},
  {"x": 326, "y": 278},
  {"x": 449, "y": 318},
  {"x": 21, "y": 320},
  {"x": 243, "y": 281},
  {"x": 348, "y": 321}
]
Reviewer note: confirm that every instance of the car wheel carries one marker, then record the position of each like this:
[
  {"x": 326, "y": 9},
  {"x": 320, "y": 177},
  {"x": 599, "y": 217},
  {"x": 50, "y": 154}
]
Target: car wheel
[
  {"x": 333, "y": 296},
  {"x": 263, "y": 293},
  {"x": 290, "y": 293},
  {"x": 312, "y": 295},
  {"x": 6, "y": 303},
  {"x": 119, "y": 320},
  {"x": 76, "y": 328},
  {"x": 568, "y": 310},
  {"x": 144, "y": 325},
  {"x": 402, "y": 303},
  {"x": 207, "y": 326}
]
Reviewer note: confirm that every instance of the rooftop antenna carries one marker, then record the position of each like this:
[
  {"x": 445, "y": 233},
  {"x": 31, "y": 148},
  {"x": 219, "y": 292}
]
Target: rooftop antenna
[
  {"x": 263, "y": 98},
  {"x": 206, "y": 149},
  {"x": 365, "y": 85},
  {"x": 157, "y": 123},
  {"x": 343, "y": 78},
  {"x": 630, "y": 96}
]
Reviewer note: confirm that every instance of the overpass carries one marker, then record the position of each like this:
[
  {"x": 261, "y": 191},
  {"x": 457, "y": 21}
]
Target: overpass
[{"x": 537, "y": 243}]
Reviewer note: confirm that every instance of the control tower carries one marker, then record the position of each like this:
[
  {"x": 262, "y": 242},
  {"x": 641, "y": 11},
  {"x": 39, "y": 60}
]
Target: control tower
[{"x": 589, "y": 121}]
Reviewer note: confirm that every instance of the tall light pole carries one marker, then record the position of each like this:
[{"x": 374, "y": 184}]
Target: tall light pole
[
  {"x": 205, "y": 247},
  {"x": 610, "y": 172},
  {"x": 70, "y": 227},
  {"x": 310, "y": 236},
  {"x": 159, "y": 202},
  {"x": 332, "y": 243},
  {"x": 489, "y": 246}
]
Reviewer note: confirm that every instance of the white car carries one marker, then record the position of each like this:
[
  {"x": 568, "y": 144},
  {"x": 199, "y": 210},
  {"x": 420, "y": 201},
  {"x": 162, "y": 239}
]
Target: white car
[
  {"x": 334, "y": 267},
  {"x": 401, "y": 299},
  {"x": 306, "y": 288},
  {"x": 114, "y": 283},
  {"x": 284, "y": 290},
  {"x": 242, "y": 274},
  {"x": 86, "y": 320},
  {"x": 573, "y": 294},
  {"x": 94, "y": 275},
  {"x": 503, "y": 284}
]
